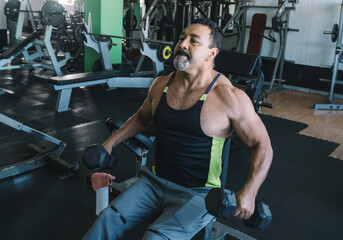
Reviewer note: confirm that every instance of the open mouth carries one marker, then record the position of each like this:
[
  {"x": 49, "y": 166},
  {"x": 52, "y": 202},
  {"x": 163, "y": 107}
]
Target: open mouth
[{"x": 183, "y": 53}]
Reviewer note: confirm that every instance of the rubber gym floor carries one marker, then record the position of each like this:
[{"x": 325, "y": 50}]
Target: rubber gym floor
[{"x": 303, "y": 188}]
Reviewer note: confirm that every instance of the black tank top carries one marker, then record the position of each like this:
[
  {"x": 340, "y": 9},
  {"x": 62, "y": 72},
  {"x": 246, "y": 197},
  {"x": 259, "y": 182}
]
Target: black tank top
[{"x": 184, "y": 154}]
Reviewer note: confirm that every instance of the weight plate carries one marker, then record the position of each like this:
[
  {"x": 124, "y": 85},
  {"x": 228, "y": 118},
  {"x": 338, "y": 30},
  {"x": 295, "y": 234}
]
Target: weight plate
[
  {"x": 277, "y": 24},
  {"x": 334, "y": 35},
  {"x": 11, "y": 9},
  {"x": 164, "y": 53},
  {"x": 72, "y": 64},
  {"x": 65, "y": 44},
  {"x": 53, "y": 13},
  {"x": 106, "y": 39},
  {"x": 78, "y": 35}
]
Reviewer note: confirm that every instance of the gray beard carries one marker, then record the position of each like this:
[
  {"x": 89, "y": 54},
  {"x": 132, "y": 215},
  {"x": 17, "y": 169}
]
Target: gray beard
[{"x": 180, "y": 65}]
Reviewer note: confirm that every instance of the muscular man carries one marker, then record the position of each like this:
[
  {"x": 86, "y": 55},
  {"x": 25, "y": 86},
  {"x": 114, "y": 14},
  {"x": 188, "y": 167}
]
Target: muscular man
[{"x": 195, "y": 110}]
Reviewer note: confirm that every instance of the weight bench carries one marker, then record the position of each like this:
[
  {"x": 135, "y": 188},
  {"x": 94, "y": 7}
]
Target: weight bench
[
  {"x": 246, "y": 72},
  {"x": 4, "y": 91},
  {"x": 37, "y": 156},
  {"x": 18, "y": 49},
  {"x": 113, "y": 79},
  {"x": 139, "y": 145}
]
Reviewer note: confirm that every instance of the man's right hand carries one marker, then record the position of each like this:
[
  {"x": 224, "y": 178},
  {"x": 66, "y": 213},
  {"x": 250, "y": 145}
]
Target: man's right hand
[{"x": 100, "y": 180}]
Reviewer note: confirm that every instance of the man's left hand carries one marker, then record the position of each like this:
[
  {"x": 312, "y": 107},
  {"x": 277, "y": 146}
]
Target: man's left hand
[
  {"x": 100, "y": 180},
  {"x": 245, "y": 205}
]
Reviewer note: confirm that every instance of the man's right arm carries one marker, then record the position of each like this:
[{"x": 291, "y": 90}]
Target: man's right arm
[{"x": 136, "y": 123}]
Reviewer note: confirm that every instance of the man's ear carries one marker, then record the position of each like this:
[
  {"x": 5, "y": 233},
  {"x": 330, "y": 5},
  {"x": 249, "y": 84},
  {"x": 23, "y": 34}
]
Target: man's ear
[{"x": 213, "y": 53}]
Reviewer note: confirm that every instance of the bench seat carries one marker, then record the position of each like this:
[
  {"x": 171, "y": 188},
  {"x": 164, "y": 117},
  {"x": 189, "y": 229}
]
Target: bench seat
[
  {"x": 84, "y": 77},
  {"x": 19, "y": 46}
]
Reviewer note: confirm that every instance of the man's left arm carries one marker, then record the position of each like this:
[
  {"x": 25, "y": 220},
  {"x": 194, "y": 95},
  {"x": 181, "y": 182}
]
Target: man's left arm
[{"x": 251, "y": 130}]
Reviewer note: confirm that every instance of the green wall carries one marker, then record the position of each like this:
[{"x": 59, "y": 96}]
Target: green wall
[{"x": 107, "y": 18}]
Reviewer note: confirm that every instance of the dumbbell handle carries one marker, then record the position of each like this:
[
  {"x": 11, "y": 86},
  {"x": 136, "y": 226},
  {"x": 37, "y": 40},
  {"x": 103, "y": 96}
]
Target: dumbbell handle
[
  {"x": 222, "y": 203},
  {"x": 328, "y": 32},
  {"x": 268, "y": 105}
]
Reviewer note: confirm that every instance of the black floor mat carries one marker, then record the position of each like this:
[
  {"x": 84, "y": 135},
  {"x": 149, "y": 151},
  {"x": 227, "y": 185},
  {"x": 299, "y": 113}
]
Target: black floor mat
[{"x": 302, "y": 187}]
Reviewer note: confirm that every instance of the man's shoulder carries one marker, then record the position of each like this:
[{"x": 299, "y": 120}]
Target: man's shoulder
[
  {"x": 231, "y": 96},
  {"x": 161, "y": 80},
  {"x": 159, "y": 83},
  {"x": 224, "y": 88}
]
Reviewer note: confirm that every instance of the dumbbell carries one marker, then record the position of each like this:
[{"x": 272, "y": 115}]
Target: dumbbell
[
  {"x": 97, "y": 158},
  {"x": 222, "y": 203}
]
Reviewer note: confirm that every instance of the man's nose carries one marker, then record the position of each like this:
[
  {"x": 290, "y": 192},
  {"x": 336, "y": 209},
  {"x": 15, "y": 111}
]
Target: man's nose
[{"x": 184, "y": 44}]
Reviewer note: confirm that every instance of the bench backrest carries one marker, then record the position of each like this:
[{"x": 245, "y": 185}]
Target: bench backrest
[{"x": 237, "y": 63}]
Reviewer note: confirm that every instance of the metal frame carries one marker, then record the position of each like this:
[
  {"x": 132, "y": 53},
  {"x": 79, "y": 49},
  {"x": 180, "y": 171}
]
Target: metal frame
[
  {"x": 133, "y": 81},
  {"x": 25, "y": 8},
  {"x": 241, "y": 10},
  {"x": 65, "y": 91},
  {"x": 4, "y": 61},
  {"x": 279, "y": 64},
  {"x": 40, "y": 158},
  {"x": 141, "y": 154},
  {"x": 4, "y": 91},
  {"x": 102, "y": 48},
  {"x": 334, "y": 81},
  {"x": 141, "y": 160}
]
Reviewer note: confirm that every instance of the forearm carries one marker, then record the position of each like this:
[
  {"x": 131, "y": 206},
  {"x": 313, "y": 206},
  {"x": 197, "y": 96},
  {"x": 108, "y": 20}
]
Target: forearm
[
  {"x": 131, "y": 127},
  {"x": 261, "y": 158}
]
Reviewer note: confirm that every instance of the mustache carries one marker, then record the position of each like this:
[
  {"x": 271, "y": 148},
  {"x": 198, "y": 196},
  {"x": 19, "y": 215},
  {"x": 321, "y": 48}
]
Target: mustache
[{"x": 183, "y": 53}]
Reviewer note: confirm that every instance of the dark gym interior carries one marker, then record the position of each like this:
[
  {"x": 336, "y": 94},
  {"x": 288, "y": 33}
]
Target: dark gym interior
[{"x": 56, "y": 105}]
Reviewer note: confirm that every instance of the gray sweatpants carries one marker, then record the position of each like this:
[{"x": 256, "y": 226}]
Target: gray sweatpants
[{"x": 175, "y": 212}]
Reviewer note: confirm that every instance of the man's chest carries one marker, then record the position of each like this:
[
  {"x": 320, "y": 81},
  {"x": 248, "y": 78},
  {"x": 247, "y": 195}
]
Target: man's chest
[
  {"x": 214, "y": 120},
  {"x": 210, "y": 111}
]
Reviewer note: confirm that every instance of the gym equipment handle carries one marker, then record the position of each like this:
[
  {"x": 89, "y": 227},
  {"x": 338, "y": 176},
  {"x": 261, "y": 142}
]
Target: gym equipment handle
[{"x": 268, "y": 105}]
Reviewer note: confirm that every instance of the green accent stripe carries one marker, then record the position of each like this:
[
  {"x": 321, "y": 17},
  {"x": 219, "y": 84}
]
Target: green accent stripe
[
  {"x": 213, "y": 179},
  {"x": 165, "y": 89},
  {"x": 203, "y": 97}
]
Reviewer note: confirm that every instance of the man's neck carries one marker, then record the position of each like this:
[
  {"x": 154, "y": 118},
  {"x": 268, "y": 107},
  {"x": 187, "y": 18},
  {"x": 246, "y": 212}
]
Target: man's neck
[{"x": 196, "y": 78}]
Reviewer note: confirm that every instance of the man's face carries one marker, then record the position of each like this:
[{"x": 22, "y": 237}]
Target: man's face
[{"x": 193, "y": 46}]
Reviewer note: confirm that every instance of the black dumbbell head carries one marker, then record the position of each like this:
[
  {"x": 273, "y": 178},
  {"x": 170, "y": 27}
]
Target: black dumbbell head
[
  {"x": 221, "y": 202},
  {"x": 96, "y": 157},
  {"x": 261, "y": 218}
]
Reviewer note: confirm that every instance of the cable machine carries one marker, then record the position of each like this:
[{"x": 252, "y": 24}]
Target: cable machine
[{"x": 336, "y": 36}]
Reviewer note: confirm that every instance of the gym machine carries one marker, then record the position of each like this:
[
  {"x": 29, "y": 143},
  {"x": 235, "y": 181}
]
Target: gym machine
[
  {"x": 280, "y": 24},
  {"x": 52, "y": 14},
  {"x": 156, "y": 12},
  {"x": 157, "y": 55},
  {"x": 97, "y": 159},
  {"x": 139, "y": 145},
  {"x": 129, "y": 22},
  {"x": 336, "y": 36},
  {"x": 112, "y": 78},
  {"x": 38, "y": 157},
  {"x": 281, "y": 19},
  {"x": 218, "y": 11}
]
